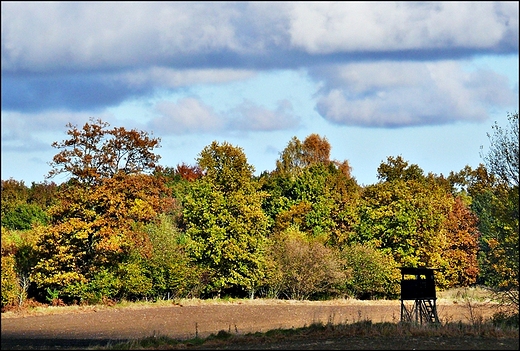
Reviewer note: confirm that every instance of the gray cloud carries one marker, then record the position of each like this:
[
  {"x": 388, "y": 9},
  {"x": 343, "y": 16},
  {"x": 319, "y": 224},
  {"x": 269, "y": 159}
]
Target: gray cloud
[
  {"x": 91, "y": 91},
  {"x": 77, "y": 92}
]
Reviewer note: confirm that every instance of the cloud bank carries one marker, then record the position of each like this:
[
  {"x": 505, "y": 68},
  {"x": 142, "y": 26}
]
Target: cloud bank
[{"x": 389, "y": 64}]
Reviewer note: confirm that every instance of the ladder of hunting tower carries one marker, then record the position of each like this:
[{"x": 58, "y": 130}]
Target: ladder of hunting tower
[{"x": 429, "y": 311}]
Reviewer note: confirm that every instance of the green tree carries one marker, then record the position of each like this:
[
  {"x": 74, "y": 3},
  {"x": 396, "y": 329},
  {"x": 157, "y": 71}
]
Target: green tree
[
  {"x": 174, "y": 273},
  {"x": 23, "y": 207},
  {"x": 14, "y": 193},
  {"x": 23, "y": 217},
  {"x": 396, "y": 168},
  {"x": 224, "y": 220}
]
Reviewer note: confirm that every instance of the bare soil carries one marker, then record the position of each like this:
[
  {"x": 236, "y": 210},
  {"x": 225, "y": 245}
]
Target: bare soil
[{"x": 86, "y": 327}]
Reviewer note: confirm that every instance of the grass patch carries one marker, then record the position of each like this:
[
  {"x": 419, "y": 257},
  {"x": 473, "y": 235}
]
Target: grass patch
[
  {"x": 318, "y": 331},
  {"x": 476, "y": 294}
]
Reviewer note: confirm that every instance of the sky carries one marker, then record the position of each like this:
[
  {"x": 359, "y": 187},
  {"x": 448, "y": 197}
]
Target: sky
[{"x": 422, "y": 80}]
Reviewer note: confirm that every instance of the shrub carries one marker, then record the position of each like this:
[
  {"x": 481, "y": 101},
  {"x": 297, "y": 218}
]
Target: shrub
[
  {"x": 10, "y": 286},
  {"x": 373, "y": 275},
  {"x": 303, "y": 268},
  {"x": 172, "y": 271},
  {"x": 135, "y": 279},
  {"x": 102, "y": 286}
]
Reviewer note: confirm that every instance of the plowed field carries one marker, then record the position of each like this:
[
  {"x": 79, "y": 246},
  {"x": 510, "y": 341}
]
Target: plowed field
[{"x": 89, "y": 326}]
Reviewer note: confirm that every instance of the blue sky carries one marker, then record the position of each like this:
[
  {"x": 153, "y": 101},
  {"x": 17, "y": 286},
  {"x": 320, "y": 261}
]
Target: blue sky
[{"x": 423, "y": 80}]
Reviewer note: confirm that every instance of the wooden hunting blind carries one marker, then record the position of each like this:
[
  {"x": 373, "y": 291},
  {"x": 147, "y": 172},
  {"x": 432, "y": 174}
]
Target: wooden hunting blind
[{"x": 418, "y": 284}]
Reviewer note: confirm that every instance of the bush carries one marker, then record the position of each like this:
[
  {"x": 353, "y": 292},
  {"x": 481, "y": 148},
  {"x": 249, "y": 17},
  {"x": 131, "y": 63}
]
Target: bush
[
  {"x": 303, "y": 268},
  {"x": 10, "y": 286},
  {"x": 373, "y": 275},
  {"x": 135, "y": 279},
  {"x": 173, "y": 273},
  {"x": 103, "y": 286}
]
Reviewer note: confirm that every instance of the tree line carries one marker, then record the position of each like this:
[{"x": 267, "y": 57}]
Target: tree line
[{"x": 123, "y": 227}]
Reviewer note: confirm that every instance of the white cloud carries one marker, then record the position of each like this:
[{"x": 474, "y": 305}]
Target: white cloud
[
  {"x": 35, "y": 132},
  {"x": 50, "y": 121},
  {"x": 252, "y": 117},
  {"x": 329, "y": 27},
  {"x": 188, "y": 115},
  {"x": 75, "y": 36},
  {"x": 393, "y": 94},
  {"x": 51, "y": 35}
]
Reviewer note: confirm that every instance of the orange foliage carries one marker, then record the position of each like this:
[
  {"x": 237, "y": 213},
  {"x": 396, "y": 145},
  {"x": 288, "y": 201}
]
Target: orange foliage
[
  {"x": 462, "y": 243},
  {"x": 189, "y": 173}
]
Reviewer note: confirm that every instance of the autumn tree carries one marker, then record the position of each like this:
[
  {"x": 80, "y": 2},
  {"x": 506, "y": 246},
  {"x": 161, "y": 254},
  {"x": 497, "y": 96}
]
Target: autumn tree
[
  {"x": 43, "y": 194},
  {"x": 312, "y": 192},
  {"x": 13, "y": 193},
  {"x": 188, "y": 172},
  {"x": 18, "y": 258},
  {"x": 316, "y": 150},
  {"x": 291, "y": 158},
  {"x": 297, "y": 155},
  {"x": 479, "y": 188},
  {"x": 23, "y": 214},
  {"x": 225, "y": 224},
  {"x": 492, "y": 191},
  {"x": 94, "y": 152},
  {"x": 461, "y": 246},
  {"x": 416, "y": 219},
  {"x": 96, "y": 231}
]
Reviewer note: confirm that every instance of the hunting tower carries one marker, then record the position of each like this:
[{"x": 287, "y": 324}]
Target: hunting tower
[{"x": 418, "y": 284}]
